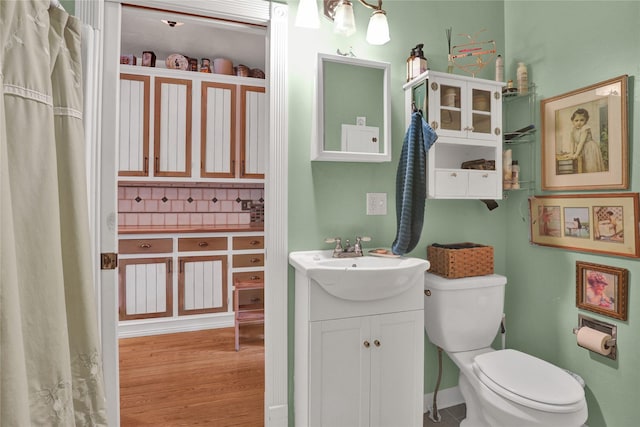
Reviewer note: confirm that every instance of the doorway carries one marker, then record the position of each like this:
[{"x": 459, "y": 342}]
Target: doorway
[{"x": 274, "y": 16}]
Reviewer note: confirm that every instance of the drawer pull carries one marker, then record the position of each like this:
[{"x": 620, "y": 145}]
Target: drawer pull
[
  {"x": 144, "y": 245},
  {"x": 254, "y": 260},
  {"x": 255, "y": 300},
  {"x": 254, "y": 242},
  {"x": 203, "y": 244},
  {"x": 254, "y": 277},
  {"x": 485, "y": 175},
  {"x": 453, "y": 174}
]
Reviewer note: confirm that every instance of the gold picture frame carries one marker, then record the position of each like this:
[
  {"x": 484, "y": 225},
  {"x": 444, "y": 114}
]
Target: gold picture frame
[
  {"x": 602, "y": 289},
  {"x": 585, "y": 138},
  {"x": 600, "y": 223}
]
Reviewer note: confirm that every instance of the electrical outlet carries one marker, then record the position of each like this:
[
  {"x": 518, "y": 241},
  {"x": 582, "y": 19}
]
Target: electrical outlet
[
  {"x": 376, "y": 203},
  {"x": 246, "y": 205},
  {"x": 361, "y": 121}
]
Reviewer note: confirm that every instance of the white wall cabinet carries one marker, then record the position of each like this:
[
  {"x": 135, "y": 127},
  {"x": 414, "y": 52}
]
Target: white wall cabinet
[
  {"x": 358, "y": 363},
  {"x": 466, "y": 113},
  {"x": 202, "y": 125}
]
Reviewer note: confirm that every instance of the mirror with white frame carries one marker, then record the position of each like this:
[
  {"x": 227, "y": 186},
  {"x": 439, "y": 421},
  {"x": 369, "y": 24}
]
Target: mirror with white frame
[{"x": 353, "y": 120}]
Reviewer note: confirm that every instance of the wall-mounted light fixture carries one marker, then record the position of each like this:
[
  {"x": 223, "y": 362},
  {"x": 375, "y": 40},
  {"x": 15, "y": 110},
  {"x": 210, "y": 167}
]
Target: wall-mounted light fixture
[{"x": 341, "y": 13}]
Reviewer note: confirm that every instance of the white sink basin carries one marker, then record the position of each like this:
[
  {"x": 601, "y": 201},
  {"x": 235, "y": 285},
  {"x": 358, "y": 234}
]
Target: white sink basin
[{"x": 361, "y": 278}]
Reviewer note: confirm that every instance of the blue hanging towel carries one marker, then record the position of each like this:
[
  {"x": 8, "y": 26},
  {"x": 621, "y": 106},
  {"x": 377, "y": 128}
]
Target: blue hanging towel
[{"x": 411, "y": 184}]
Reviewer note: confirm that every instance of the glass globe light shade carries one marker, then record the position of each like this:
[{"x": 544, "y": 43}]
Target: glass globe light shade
[
  {"x": 378, "y": 29},
  {"x": 343, "y": 21}
]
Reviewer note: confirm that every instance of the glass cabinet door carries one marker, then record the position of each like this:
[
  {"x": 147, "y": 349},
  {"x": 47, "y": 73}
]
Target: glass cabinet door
[
  {"x": 481, "y": 111},
  {"x": 451, "y": 107}
]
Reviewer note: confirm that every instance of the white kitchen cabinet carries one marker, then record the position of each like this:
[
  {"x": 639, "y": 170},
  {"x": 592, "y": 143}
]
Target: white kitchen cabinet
[
  {"x": 466, "y": 114},
  {"x": 218, "y": 130},
  {"x": 358, "y": 363},
  {"x": 134, "y": 125},
  {"x": 203, "y": 126},
  {"x": 145, "y": 281},
  {"x": 172, "y": 282},
  {"x": 253, "y": 132},
  {"x": 202, "y": 284},
  {"x": 172, "y": 127}
]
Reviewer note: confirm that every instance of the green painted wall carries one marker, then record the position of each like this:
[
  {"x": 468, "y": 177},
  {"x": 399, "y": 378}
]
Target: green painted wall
[
  {"x": 327, "y": 199},
  {"x": 566, "y": 45},
  {"x": 569, "y": 45}
]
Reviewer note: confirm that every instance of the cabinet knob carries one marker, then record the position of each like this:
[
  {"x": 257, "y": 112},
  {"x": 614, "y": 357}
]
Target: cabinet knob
[
  {"x": 434, "y": 86},
  {"x": 453, "y": 174},
  {"x": 434, "y": 125},
  {"x": 203, "y": 244},
  {"x": 497, "y": 95},
  {"x": 377, "y": 343},
  {"x": 366, "y": 344},
  {"x": 496, "y": 131}
]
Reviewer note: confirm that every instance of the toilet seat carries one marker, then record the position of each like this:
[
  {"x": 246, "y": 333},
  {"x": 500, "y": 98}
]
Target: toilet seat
[{"x": 529, "y": 381}]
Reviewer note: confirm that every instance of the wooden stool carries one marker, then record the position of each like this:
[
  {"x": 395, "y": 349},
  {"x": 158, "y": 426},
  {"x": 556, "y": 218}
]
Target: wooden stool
[{"x": 251, "y": 314}]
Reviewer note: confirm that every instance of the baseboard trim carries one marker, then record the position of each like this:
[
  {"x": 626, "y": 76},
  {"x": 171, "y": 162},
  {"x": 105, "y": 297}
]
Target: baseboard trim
[
  {"x": 446, "y": 398},
  {"x": 139, "y": 328}
]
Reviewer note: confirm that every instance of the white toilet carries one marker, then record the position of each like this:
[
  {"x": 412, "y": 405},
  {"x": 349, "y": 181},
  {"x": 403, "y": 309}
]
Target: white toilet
[{"x": 501, "y": 388}]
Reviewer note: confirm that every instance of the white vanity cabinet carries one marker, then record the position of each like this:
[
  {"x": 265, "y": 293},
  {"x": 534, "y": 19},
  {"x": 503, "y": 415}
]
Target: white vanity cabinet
[
  {"x": 358, "y": 363},
  {"x": 466, "y": 113}
]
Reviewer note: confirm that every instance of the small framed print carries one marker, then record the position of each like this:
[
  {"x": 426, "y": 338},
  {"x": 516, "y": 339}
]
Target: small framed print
[
  {"x": 602, "y": 289},
  {"x": 598, "y": 223}
]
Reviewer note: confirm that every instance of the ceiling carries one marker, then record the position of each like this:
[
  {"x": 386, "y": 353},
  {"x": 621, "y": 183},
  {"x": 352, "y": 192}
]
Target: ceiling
[{"x": 199, "y": 37}]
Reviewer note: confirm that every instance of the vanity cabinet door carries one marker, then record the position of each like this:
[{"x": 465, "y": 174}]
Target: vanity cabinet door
[
  {"x": 134, "y": 125},
  {"x": 339, "y": 372},
  {"x": 218, "y": 130},
  {"x": 254, "y": 132},
  {"x": 172, "y": 130},
  {"x": 397, "y": 366},
  {"x": 367, "y": 371}
]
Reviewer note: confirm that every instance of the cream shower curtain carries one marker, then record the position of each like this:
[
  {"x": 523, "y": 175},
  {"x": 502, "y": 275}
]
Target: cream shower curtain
[{"x": 50, "y": 360}]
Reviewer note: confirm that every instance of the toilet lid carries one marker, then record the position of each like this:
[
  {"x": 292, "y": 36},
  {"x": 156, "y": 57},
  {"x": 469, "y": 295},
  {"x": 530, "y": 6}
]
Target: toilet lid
[{"x": 528, "y": 380}]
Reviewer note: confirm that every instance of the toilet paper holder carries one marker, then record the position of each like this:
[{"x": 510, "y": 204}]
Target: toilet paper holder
[{"x": 604, "y": 327}]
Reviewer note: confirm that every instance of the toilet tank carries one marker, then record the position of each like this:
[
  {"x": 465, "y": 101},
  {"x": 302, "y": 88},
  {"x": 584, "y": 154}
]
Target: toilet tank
[{"x": 463, "y": 314}]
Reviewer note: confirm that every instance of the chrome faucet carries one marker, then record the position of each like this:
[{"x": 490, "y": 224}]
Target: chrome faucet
[{"x": 347, "y": 251}]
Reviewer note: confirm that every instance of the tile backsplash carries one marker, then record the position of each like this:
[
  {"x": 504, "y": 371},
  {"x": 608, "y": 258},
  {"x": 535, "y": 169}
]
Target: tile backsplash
[{"x": 192, "y": 204}]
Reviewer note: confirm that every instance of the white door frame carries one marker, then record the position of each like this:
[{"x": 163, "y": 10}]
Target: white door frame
[{"x": 106, "y": 17}]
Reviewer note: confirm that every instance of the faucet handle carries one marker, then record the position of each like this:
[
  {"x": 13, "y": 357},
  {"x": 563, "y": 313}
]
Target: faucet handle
[
  {"x": 332, "y": 240},
  {"x": 363, "y": 238}
]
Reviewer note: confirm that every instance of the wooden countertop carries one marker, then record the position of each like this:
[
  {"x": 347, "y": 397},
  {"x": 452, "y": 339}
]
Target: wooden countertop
[{"x": 157, "y": 229}]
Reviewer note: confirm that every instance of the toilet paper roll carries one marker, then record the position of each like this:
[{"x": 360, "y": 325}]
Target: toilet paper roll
[{"x": 594, "y": 340}]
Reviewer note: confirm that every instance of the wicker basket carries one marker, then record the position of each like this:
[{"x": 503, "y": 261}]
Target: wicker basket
[{"x": 458, "y": 260}]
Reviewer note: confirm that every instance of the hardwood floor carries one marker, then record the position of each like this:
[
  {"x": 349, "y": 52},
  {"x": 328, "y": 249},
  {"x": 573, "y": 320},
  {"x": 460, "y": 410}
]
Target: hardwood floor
[{"x": 193, "y": 379}]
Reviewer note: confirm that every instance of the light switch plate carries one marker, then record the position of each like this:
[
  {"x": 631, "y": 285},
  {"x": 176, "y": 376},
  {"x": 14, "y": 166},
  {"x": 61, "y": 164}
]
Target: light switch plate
[
  {"x": 361, "y": 121},
  {"x": 376, "y": 203}
]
